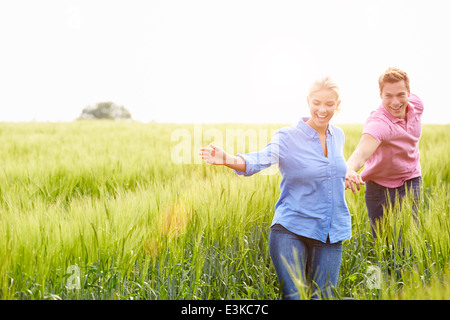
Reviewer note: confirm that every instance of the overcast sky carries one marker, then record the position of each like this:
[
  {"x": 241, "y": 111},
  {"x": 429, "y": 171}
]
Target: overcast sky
[{"x": 217, "y": 61}]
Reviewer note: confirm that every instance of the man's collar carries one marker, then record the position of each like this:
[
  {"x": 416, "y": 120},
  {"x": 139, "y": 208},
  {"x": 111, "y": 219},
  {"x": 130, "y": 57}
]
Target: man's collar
[{"x": 390, "y": 116}]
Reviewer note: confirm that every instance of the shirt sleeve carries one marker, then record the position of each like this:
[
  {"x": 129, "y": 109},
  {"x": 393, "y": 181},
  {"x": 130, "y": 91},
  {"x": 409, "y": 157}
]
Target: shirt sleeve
[
  {"x": 257, "y": 161},
  {"x": 377, "y": 128},
  {"x": 417, "y": 103}
]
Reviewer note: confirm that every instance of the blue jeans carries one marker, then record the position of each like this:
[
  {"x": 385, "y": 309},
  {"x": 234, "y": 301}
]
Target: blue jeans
[
  {"x": 377, "y": 198},
  {"x": 314, "y": 262}
]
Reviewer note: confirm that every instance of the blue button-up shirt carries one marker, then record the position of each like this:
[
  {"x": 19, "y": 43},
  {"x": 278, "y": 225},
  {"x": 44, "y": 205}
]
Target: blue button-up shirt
[{"x": 312, "y": 199}]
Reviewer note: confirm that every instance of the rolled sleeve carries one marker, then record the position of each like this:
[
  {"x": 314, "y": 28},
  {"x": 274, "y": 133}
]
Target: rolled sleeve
[
  {"x": 257, "y": 161},
  {"x": 377, "y": 128},
  {"x": 417, "y": 103},
  {"x": 248, "y": 171}
]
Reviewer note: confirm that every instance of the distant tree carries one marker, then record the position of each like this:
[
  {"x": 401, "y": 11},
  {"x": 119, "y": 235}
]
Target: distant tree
[{"x": 105, "y": 110}]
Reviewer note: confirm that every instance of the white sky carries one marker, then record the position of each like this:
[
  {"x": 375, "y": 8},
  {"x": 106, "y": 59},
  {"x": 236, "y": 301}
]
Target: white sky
[{"x": 217, "y": 61}]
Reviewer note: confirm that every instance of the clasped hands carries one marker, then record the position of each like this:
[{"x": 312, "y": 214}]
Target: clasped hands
[{"x": 353, "y": 179}]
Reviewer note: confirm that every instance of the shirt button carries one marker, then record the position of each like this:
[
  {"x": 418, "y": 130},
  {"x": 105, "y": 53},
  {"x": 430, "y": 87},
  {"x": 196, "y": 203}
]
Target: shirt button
[
  {"x": 329, "y": 164},
  {"x": 329, "y": 178},
  {"x": 329, "y": 191}
]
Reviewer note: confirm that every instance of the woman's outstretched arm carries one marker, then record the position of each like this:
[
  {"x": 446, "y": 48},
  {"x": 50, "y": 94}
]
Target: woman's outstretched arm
[{"x": 217, "y": 156}]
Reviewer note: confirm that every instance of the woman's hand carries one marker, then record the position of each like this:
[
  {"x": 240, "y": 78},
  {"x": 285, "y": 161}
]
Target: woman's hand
[
  {"x": 216, "y": 155},
  {"x": 213, "y": 155},
  {"x": 351, "y": 179}
]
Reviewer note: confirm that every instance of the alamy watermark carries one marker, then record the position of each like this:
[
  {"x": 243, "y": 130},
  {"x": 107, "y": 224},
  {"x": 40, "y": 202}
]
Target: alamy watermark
[
  {"x": 74, "y": 280},
  {"x": 73, "y": 14},
  {"x": 231, "y": 140},
  {"x": 373, "y": 277}
]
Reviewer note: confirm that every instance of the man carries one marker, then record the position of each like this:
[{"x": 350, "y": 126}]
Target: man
[{"x": 389, "y": 148}]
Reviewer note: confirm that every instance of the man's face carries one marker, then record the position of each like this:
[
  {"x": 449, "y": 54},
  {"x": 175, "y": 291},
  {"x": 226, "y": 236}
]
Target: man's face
[{"x": 395, "y": 98}]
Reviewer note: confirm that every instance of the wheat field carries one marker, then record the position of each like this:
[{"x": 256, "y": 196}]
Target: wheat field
[{"x": 124, "y": 210}]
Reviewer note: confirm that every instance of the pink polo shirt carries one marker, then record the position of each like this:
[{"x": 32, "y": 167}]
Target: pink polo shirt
[{"x": 397, "y": 157}]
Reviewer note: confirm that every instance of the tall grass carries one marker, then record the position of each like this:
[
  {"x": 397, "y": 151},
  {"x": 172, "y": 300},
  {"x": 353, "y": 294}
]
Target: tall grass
[{"x": 105, "y": 199}]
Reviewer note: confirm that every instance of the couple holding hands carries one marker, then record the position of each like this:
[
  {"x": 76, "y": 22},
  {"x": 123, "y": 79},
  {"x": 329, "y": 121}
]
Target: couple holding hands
[{"x": 311, "y": 217}]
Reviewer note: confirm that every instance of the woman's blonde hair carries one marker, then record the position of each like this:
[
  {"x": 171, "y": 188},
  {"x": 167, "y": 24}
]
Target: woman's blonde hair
[{"x": 324, "y": 83}]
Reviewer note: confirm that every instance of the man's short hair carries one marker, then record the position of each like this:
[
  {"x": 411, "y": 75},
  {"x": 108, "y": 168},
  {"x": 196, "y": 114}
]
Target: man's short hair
[{"x": 393, "y": 75}]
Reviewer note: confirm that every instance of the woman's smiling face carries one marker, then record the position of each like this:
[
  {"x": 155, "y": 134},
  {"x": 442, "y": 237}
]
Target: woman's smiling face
[{"x": 322, "y": 106}]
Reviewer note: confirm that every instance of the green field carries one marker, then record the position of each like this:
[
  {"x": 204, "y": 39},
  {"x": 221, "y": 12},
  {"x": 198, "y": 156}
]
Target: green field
[{"x": 100, "y": 210}]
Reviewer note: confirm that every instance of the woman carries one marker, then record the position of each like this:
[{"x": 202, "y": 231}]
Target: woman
[{"x": 311, "y": 216}]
